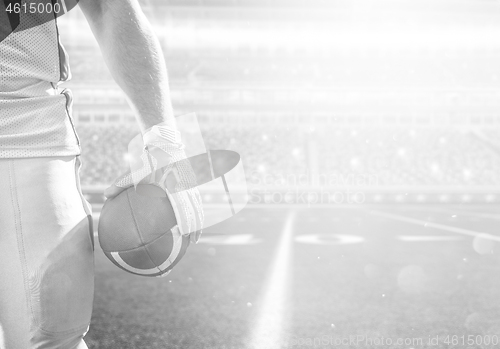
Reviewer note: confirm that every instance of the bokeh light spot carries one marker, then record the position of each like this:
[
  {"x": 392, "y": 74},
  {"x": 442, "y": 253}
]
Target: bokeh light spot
[{"x": 483, "y": 244}]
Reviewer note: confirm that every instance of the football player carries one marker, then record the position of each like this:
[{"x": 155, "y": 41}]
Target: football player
[{"x": 46, "y": 235}]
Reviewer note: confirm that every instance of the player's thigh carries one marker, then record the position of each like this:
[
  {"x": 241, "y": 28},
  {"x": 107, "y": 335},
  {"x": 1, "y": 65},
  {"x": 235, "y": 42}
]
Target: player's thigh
[
  {"x": 49, "y": 234},
  {"x": 14, "y": 315}
]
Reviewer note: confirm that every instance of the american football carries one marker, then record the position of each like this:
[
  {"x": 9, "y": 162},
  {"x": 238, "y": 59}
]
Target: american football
[{"x": 138, "y": 231}]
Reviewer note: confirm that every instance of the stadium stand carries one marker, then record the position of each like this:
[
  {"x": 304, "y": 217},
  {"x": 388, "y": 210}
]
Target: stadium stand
[
  {"x": 392, "y": 156},
  {"x": 412, "y": 157},
  {"x": 264, "y": 151}
]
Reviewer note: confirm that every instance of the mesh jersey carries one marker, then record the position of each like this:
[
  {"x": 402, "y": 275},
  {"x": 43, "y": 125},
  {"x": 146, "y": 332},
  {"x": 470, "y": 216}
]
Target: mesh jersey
[{"x": 35, "y": 115}]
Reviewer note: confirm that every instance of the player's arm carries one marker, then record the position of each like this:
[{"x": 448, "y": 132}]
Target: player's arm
[
  {"x": 133, "y": 55},
  {"x": 135, "y": 59}
]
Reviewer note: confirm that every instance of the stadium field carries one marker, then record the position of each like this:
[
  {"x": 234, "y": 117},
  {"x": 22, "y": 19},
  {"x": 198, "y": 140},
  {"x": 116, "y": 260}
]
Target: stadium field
[{"x": 397, "y": 276}]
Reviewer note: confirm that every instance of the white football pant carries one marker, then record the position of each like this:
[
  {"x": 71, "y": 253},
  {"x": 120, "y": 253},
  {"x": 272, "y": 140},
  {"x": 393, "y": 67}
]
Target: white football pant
[{"x": 46, "y": 255}]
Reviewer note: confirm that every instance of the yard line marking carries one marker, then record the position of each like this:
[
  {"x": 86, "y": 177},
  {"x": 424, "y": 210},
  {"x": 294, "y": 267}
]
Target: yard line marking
[
  {"x": 95, "y": 217},
  {"x": 2, "y": 338},
  {"x": 427, "y": 238},
  {"x": 436, "y": 225},
  {"x": 238, "y": 239},
  {"x": 268, "y": 332},
  {"x": 328, "y": 239},
  {"x": 475, "y": 214},
  {"x": 459, "y": 211}
]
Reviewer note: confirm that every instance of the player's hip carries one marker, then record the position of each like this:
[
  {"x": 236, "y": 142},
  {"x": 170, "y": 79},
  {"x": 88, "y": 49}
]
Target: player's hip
[
  {"x": 38, "y": 127},
  {"x": 48, "y": 185}
]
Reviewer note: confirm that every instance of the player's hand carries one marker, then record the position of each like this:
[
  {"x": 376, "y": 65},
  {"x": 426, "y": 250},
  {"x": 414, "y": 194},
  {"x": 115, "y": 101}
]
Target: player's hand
[{"x": 161, "y": 162}]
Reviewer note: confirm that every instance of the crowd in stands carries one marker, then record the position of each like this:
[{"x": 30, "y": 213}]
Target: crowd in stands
[
  {"x": 412, "y": 157},
  {"x": 104, "y": 152},
  {"x": 279, "y": 156},
  {"x": 263, "y": 151},
  {"x": 491, "y": 135}
]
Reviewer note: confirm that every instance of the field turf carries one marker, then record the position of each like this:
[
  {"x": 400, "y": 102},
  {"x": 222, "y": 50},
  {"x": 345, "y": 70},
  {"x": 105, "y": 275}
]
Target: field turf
[{"x": 320, "y": 277}]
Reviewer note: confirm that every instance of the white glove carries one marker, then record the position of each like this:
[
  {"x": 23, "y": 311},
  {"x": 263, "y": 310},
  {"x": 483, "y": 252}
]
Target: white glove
[{"x": 161, "y": 158}]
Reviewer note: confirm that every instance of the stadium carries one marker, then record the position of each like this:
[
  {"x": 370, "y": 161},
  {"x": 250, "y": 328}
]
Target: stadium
[{"x": 370, "y": 136}]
